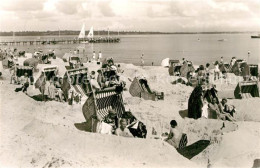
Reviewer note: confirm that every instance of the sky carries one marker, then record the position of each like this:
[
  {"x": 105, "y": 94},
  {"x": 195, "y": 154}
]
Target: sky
[{"x": 131, "y": 15}]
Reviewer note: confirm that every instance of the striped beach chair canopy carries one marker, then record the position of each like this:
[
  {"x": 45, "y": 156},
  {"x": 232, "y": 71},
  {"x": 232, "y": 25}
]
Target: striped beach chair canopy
[
  {"x": 247, "y": 89},
  {"x": 100, "y": 102},
  {"x": 78, "y": 80}
]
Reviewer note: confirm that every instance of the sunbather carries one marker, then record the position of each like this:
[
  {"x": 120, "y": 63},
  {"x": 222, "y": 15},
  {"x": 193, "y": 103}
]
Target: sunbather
[
  {"x": 123, "y": 130},
  {"x": 227, "y": 108},
  {"x": 214, "y": 107}
]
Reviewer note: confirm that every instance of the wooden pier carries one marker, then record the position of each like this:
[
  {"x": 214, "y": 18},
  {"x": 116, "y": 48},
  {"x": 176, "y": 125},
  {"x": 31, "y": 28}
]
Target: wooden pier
[{"x": 61, "y": 41}]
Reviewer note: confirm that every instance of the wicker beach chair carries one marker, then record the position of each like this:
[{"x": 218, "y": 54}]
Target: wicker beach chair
[
  {"x": 98, "y": 105},
  {"x": 246, "y": 89},
  {"x": 78, "y": 80},
  {"x": 140, "y": 88}
]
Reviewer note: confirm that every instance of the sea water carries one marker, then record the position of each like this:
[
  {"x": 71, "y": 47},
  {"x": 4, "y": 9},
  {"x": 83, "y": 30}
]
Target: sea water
[{"x": 198, "y": 48}]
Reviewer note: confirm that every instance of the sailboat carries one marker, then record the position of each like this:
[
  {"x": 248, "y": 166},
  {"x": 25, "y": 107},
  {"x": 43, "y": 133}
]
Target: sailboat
[
  {"x": 82, "y": 34},
  {"x": 91, "y": 33}
]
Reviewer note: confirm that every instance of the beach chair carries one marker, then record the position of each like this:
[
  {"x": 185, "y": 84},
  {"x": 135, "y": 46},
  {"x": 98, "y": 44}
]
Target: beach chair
[
  {"x": 45, "y": 73},
  {"x": 140, "y": 88},
  {"x": 21, "y": 70},
  {"x": 253, "y": 68},
  {"x": 246, "y": 89},
  {"x": 174, "y": 67},
  {"x": 78, "y": 80},
  {"x": 98, "y": 105}
]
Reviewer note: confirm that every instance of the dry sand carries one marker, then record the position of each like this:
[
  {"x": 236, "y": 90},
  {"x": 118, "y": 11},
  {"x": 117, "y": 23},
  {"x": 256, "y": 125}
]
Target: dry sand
[{"x": 42, "y": 134}]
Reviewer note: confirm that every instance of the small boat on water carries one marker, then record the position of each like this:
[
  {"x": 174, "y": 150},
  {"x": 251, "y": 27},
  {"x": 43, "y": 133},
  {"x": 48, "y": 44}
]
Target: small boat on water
[
  {"x": 257, "y": 36},
  {"x": 221, "y": 40}
]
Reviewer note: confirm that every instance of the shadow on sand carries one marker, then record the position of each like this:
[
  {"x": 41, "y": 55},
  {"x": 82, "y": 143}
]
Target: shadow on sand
[
  {"x": 83, "y": 126},
  {"x": 37, "y": 97},
  {"x": 183, "y": 113}
]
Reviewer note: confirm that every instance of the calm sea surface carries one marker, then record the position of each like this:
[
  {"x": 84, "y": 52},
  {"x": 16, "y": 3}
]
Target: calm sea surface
[{"x": 199, "y": 48}]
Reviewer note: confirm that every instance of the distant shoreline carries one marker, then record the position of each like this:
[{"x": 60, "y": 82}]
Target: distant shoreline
[{"x": 111, "y": 33}]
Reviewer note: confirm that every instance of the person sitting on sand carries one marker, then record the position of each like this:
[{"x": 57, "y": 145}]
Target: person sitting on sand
[
  {"x": 112, "y": 82},
  {"x": 227, "y": 108},
  {"x": 216, "y": 108},
  {"x": 111, "y": 119},
  {"x": 174, "y": 135},
  {"x": 25, "y": 82},
  {"x": 123, "y": 130}
]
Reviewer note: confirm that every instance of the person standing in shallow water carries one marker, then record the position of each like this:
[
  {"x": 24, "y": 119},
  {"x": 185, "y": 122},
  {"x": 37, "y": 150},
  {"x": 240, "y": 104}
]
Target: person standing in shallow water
[{"x": 142, "y": 60}]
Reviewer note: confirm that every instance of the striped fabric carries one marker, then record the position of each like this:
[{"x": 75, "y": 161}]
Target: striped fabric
[
  {"x": 183, "y": 141},
  {"x": 109, "y": 100},
  {"x": 79, "y": 90},
  {"x": 246, "y": 95}
]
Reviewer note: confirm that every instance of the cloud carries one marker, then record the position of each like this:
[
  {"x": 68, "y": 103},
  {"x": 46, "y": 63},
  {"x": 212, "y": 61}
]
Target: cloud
[
  {"x": 22, "y": 5},
  {"x": 68, "y": 7},
  {"x": 156, "y": 15},
  {"x": 105, "y": 8}
]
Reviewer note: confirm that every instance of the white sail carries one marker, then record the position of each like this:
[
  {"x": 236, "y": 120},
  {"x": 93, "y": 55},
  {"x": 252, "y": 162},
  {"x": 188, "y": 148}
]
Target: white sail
[
  {"x": 82, "y": 32},
  {"x": 91, "y": 33}
]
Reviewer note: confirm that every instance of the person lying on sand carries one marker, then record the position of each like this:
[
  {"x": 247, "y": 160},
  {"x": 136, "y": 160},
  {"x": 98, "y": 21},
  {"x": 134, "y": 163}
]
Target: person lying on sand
[
  {"x": 123, "y": 130},
  {"x": 214, "y": 107}
]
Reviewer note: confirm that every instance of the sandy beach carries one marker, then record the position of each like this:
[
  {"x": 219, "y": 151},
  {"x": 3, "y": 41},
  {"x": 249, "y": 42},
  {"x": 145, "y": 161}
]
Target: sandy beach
[{"x": 43, "y": 134}]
